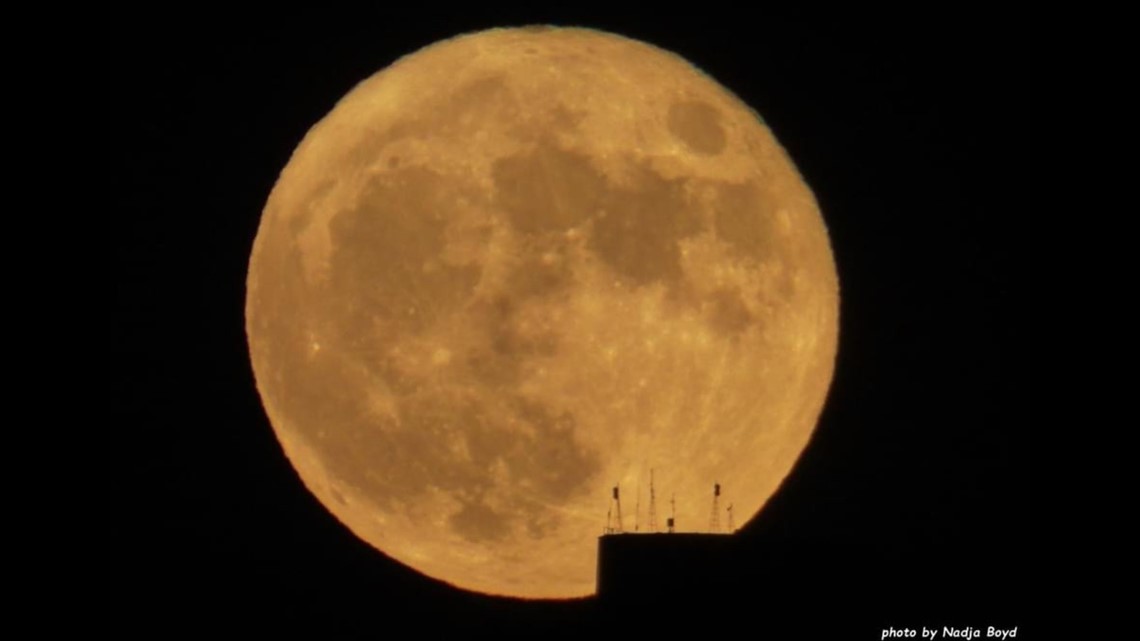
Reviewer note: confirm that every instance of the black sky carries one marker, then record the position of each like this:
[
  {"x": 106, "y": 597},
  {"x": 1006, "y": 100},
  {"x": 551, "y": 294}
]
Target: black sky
[{"x": 912, "y": 130}]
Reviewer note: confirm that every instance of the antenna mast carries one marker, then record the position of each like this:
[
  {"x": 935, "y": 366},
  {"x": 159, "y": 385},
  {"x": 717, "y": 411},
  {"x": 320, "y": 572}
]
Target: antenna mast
[
  {"x": 673, "y": 513},
  {"x": 652, "y": 504},
  {"x": 616, "y": 529},
  {"x": 637, "y": 507},
  {"x": 731, "y": 524},
  {"x": 714, "y": 517}
]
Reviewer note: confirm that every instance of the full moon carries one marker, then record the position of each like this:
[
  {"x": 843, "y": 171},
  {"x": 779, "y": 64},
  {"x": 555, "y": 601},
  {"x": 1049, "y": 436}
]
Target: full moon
[{"x": 519, "y": 267}]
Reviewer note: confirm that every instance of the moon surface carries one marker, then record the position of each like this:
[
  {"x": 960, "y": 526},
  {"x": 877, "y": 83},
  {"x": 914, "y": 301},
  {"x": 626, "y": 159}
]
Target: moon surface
[{"x": 518, "y": 267}]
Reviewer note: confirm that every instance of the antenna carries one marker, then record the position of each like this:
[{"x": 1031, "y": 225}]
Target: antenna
[
  {"x": 714, "y": 517},
  {"x": 652, "y": 504},
  {"x": 617, "y": 529},
  {"x": 731, "y": 525},
  {"x": 637, "y": 507},
  {"x": 673, "y": 512},
  {"x": 609, "y": 515}
]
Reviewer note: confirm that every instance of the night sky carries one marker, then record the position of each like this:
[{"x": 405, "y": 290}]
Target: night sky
[{"x": 913, "y": 132}]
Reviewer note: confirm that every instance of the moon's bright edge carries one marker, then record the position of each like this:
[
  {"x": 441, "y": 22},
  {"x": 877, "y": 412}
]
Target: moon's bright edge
[{"x": 520, "y": 266}]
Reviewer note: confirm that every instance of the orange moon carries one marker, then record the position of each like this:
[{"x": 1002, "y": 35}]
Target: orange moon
[{"x": 520, "y": 266}]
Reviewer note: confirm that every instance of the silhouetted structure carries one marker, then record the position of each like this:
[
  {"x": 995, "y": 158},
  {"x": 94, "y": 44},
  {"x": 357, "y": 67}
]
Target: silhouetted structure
[
  {"x": 714, "y": 516},
  {"x": 613, "y": 517},
  {"x": 637, "y": 508},
  {"x": 652, "y": 583},
  {"x": 652, "y": 504},
  {"x": 655, "y": 566},
  {"x": 672, "y": 512}
]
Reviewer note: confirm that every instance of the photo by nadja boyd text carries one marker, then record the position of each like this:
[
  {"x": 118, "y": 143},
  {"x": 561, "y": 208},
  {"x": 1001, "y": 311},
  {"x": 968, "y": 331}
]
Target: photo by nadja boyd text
[{"x": 949, "y": 632}]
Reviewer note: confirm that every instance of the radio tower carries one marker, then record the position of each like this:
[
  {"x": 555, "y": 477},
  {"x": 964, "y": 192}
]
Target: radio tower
[
  {"x": 714, "y": 517},
  {"x": 652, "y": 505},
  {"x": 731, "y": 524},
  {"x": 617, "y": 512}
]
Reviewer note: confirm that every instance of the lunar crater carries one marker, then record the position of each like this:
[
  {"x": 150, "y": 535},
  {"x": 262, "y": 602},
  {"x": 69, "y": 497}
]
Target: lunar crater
[{"x": 698, "y": 125}]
